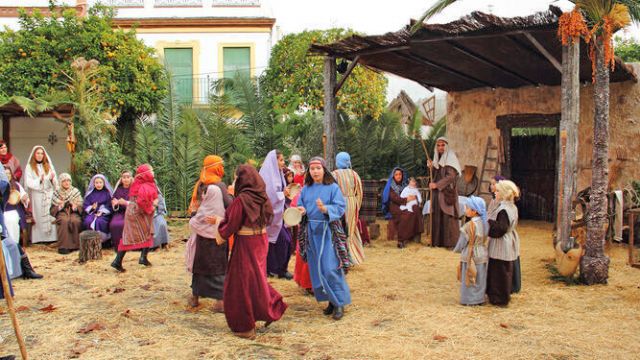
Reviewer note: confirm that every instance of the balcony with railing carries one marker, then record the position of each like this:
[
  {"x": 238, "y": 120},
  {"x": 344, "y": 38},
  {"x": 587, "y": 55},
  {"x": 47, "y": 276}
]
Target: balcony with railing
[{"x": 193, "y": 90}]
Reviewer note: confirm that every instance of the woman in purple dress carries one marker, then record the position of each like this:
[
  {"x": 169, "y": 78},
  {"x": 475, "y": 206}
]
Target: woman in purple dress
[
  {"x": 119, "y": 202},
  {"x": 97, "y": 206}
]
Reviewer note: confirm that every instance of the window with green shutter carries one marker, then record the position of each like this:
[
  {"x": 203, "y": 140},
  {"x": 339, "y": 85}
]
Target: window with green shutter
[
  {"x": 179, "y": 62},
  {"x": 236, "y": 60}
]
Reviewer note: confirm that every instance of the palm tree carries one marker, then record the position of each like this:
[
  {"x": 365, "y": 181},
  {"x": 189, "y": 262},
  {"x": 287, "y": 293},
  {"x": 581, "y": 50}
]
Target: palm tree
[{"x": 603, "y": 18}]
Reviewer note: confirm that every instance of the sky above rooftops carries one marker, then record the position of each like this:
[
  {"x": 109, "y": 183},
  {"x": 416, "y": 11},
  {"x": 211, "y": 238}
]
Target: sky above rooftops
[{"x": 374, "y": 17}]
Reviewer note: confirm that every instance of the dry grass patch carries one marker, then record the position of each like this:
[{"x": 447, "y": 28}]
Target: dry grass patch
[{"x": 404, "y": 306}]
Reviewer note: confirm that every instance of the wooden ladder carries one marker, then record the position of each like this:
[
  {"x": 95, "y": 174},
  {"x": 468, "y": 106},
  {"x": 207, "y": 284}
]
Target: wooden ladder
[{"x": 490, "y": 167}]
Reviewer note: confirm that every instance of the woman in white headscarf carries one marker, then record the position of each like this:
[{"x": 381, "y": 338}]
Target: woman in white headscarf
[
  {"x": 41, "y": 180},
  {"x": 297, "y": 166},
  {"x": 445, "y": 229}
]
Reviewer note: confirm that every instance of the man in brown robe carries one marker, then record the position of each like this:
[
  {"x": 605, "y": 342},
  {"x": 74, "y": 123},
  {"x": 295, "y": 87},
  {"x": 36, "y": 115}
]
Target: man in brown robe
[{"x": 445, "y": 227}]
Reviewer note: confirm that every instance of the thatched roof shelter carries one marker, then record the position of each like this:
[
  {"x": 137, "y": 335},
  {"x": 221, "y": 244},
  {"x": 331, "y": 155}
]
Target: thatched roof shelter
[{"x": 476, "y": 51}]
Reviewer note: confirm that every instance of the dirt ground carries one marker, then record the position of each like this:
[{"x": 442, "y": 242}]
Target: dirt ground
[{"x": 404, "y": 306}]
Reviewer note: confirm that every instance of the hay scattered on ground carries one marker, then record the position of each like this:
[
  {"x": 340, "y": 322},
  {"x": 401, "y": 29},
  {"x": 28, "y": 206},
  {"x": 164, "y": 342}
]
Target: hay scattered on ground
[{"x": 404, "y": 306}]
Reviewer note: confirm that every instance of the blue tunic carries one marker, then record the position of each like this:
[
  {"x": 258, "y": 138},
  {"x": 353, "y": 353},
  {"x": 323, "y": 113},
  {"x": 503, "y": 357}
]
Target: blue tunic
[{"x": 327, "y": 277}]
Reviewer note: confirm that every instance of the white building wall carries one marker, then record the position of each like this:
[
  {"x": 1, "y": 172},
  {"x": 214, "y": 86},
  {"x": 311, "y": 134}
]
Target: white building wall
[
  {"x": 207, "y": 47},
  {"x": 28, "y": 132}
]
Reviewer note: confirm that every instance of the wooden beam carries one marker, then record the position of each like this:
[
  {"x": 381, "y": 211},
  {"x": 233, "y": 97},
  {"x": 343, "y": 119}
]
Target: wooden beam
[
  {"x": 479, "y": 36},
  {"x": 330, "y": 120},
  {"x": 544, "y": 51},
  {"x": 567, "y": 173},
  {"x": 352, "y": 65},
  {"x": 488, "y": 62},
  {"x": 420, "y": 59}
]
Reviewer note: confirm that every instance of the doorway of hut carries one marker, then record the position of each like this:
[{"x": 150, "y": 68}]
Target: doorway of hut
[{"x": 531, "y": 148}]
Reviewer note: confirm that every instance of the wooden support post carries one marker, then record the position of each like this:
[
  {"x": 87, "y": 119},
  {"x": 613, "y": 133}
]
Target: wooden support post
[
  {"x": 568, "y": 156},
  {"x": 4, "y": 277},
  {"x": 330, "y": 121}
]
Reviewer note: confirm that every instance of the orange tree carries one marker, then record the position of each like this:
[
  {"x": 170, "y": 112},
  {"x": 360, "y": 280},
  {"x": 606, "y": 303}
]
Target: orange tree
[{"x": 34, "y": 58}]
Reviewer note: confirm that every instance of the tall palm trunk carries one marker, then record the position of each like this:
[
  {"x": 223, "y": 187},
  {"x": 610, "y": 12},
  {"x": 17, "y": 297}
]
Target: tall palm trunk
[{"x": 594, "y": 266}]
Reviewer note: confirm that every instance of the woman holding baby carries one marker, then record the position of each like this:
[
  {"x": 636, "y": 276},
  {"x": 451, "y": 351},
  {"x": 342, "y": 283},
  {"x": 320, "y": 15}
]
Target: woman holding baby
[{"x": 401, "y": 205}]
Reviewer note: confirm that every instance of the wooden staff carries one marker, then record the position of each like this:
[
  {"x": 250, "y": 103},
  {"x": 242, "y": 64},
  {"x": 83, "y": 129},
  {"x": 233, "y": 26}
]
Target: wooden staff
[
  {"x": 426, "y": 152},
  {"x": 7, "y": 295},
  {"x": 324, "y": 146}
]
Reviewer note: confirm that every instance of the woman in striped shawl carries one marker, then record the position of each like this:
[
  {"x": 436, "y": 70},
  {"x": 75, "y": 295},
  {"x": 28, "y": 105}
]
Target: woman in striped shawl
[
  {"x": 66, "y": 207},
  {"x": 351, "y": 187}
]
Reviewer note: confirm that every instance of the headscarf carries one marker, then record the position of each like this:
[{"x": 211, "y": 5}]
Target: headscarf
[
  {"x": 144, "y": 188},
  {"x": 29, "y": 169},
  {"x": 92, "y": 186},
  {"x": 448, "y": 157},
  {"x": 119, "y": 182},
  {"x": 319, "y": 160},
  {"x": 343, "y": 160},
  {"x": 100, "y": 197},
  {"x": 251, "y": 190},
  {"x": 392, "y": 185},
  {"x": 292, "y": 165},
  {"x": 211, "y": 173},
  {"x": 478, "y": 205},
  {"x": 71, "y": 195},
  {"x": 275, "y": 183}
]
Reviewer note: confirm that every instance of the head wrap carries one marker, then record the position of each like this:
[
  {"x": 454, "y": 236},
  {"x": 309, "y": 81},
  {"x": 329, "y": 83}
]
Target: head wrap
[
  {"x": 71, "y": 195},
  {"x": 478, "y": 205},
  {"x": 292, "y": 165},
  {"x": 92, "y": 185},
  {"x": 318, "y": 160},
  {"x": 211, "y": 173},
  {"x": 251, "y": 190},
  {"x": 144, "y": 188},
  {"x": 448, "y": 157},
  {"x": 119, "y": 182},
  {"x": 343, "y": 160},
  {"x": 499, "y": 178},
  {"x": 28, "y": 167},
  {"x": 392, "y": 185}
]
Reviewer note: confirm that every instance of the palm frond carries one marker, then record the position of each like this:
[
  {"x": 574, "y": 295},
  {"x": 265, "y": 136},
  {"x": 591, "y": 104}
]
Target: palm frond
[
  {"x": 436, "y": 8},
  {"x": 634, "y": 9}
]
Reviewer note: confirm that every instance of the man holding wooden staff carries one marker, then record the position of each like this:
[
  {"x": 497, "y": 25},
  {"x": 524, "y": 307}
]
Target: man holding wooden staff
[{"x": 445, "y": 228}]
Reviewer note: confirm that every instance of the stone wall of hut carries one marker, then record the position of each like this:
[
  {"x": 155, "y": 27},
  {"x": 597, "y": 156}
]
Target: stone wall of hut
[{"x": 471, "y": 119}]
